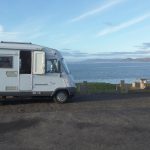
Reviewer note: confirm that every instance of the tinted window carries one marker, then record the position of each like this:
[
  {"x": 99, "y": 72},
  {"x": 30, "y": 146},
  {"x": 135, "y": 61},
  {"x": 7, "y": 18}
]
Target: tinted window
[
  {"x": 52, "y": 66},
  {"x": 6, "y": 62}
]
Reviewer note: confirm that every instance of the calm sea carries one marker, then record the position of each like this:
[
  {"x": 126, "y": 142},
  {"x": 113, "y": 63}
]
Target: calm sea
[{"x": 110, "y": 72}]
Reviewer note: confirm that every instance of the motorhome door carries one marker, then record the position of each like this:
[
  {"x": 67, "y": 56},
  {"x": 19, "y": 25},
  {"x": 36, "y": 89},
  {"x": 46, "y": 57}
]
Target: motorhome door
[
  {"x": 9, "y": 78},
  {"x": 25, "y": 71}
]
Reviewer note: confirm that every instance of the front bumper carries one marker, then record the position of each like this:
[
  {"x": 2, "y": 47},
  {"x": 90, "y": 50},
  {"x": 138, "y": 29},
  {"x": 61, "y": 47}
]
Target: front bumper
[{"x": 72, "y": 91}]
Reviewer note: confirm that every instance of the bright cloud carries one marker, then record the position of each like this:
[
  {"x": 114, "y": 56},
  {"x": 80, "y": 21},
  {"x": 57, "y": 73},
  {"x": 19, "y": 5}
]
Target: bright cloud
[
  {"x": 1, "y": 28},
  {"x": 97, "y": 10},
  {"x": 25, "y": 31},
  {"x": 7, "y": 35},
  {"x": 123, "y": 25}
]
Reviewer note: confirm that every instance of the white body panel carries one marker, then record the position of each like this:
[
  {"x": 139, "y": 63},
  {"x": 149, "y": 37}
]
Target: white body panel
[
  {"x": 48, "y": 82},
  {"x": 9, "y": 77},
  {"x": 25, "y": 82}
]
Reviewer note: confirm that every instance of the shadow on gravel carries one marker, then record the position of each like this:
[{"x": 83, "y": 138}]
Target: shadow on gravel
[
  {"x": 21, "y": 124},
  {"x": 107, "y": 96},
  {"x": 17, "y": 101},
  {"x": 77, "y": 98}
]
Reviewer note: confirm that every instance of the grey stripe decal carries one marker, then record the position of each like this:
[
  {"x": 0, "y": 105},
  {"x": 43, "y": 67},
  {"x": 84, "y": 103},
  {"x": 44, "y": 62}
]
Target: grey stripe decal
[{"x": 40, "y": 84}]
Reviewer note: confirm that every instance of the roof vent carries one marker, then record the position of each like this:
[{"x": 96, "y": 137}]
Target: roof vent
[{"x": 16, "y": 42}]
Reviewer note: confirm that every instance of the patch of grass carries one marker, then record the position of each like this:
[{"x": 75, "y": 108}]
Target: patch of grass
[{"x": 95, "y": 88}]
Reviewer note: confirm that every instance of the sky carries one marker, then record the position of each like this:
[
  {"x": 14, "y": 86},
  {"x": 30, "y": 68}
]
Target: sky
[{"x": 80, "y": 29}]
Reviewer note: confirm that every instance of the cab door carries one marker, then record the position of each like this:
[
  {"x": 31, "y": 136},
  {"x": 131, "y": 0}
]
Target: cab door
[{"x": 38, "y": 62}]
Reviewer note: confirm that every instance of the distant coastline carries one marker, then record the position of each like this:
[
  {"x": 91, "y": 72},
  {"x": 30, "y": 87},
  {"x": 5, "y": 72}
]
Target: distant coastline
[{"x": 116, "y": 60}]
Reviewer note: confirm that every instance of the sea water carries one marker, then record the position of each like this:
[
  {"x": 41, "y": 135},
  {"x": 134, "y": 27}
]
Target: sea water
[{"x": 110, "y": 72}]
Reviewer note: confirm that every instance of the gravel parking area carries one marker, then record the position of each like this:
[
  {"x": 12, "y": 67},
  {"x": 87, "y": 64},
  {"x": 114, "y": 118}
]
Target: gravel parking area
[{"x": 87, "y": 122}]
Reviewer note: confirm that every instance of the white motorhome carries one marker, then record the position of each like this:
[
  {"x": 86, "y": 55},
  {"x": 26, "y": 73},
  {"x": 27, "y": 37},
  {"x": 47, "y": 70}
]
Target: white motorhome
[{"x": 32, "y": 70}]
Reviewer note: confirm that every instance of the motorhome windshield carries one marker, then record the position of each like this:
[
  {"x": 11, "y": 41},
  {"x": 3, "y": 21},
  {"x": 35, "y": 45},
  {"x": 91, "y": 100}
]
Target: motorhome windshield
[
  {"x": 65, "y": 67},
  {"x": 52, "y": 66}
]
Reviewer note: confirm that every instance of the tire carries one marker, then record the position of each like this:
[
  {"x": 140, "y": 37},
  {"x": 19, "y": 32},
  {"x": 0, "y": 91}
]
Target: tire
[{"x": 61, "y": 97}]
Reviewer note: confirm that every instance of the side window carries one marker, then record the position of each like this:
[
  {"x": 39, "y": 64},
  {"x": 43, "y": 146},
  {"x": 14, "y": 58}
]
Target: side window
[
  {"x": 52, "y": 66},
  {"x": 6, "y": 61}
]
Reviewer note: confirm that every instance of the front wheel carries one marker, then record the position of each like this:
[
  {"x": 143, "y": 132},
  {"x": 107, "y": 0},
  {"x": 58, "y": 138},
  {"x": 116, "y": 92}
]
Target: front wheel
[{"x": 60, "y": 97}]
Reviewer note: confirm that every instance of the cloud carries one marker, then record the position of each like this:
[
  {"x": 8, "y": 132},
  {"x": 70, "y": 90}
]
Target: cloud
[
  {"x": 37, "y": 35},
  {"x": 66, "y": 40},
  {"x": 100, "y": 9},
  {"x": 1, "y": 28},
  {"x": 120, "y": 54},
  {"x": 144, "y": 46},
  {"x": 3, "y": 32},
  {"x": 30, "y": 29},
  {"x": 72, "y": 55},
  {"x": 7, "y": 35},
  {"x": 123, "y": 25}
]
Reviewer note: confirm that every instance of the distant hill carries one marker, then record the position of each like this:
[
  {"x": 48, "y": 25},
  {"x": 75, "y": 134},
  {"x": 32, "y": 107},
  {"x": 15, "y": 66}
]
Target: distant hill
[{"x": 117, "y": 60}]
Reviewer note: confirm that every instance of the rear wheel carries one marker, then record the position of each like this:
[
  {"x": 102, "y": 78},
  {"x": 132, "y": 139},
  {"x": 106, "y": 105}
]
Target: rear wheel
[{"x": 60, "y": 97}]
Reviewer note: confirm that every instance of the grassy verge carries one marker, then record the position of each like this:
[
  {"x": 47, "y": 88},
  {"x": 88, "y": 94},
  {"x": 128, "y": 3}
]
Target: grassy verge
[{"x": 93, "y": 88}]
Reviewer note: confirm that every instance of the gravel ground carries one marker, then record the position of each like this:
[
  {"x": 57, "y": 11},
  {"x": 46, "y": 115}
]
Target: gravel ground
[{"x": 87, "y": 122}]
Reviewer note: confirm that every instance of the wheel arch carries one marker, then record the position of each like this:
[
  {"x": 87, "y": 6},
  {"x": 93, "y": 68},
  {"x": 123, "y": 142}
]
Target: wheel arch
[{"x": 60, "y": 89}]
